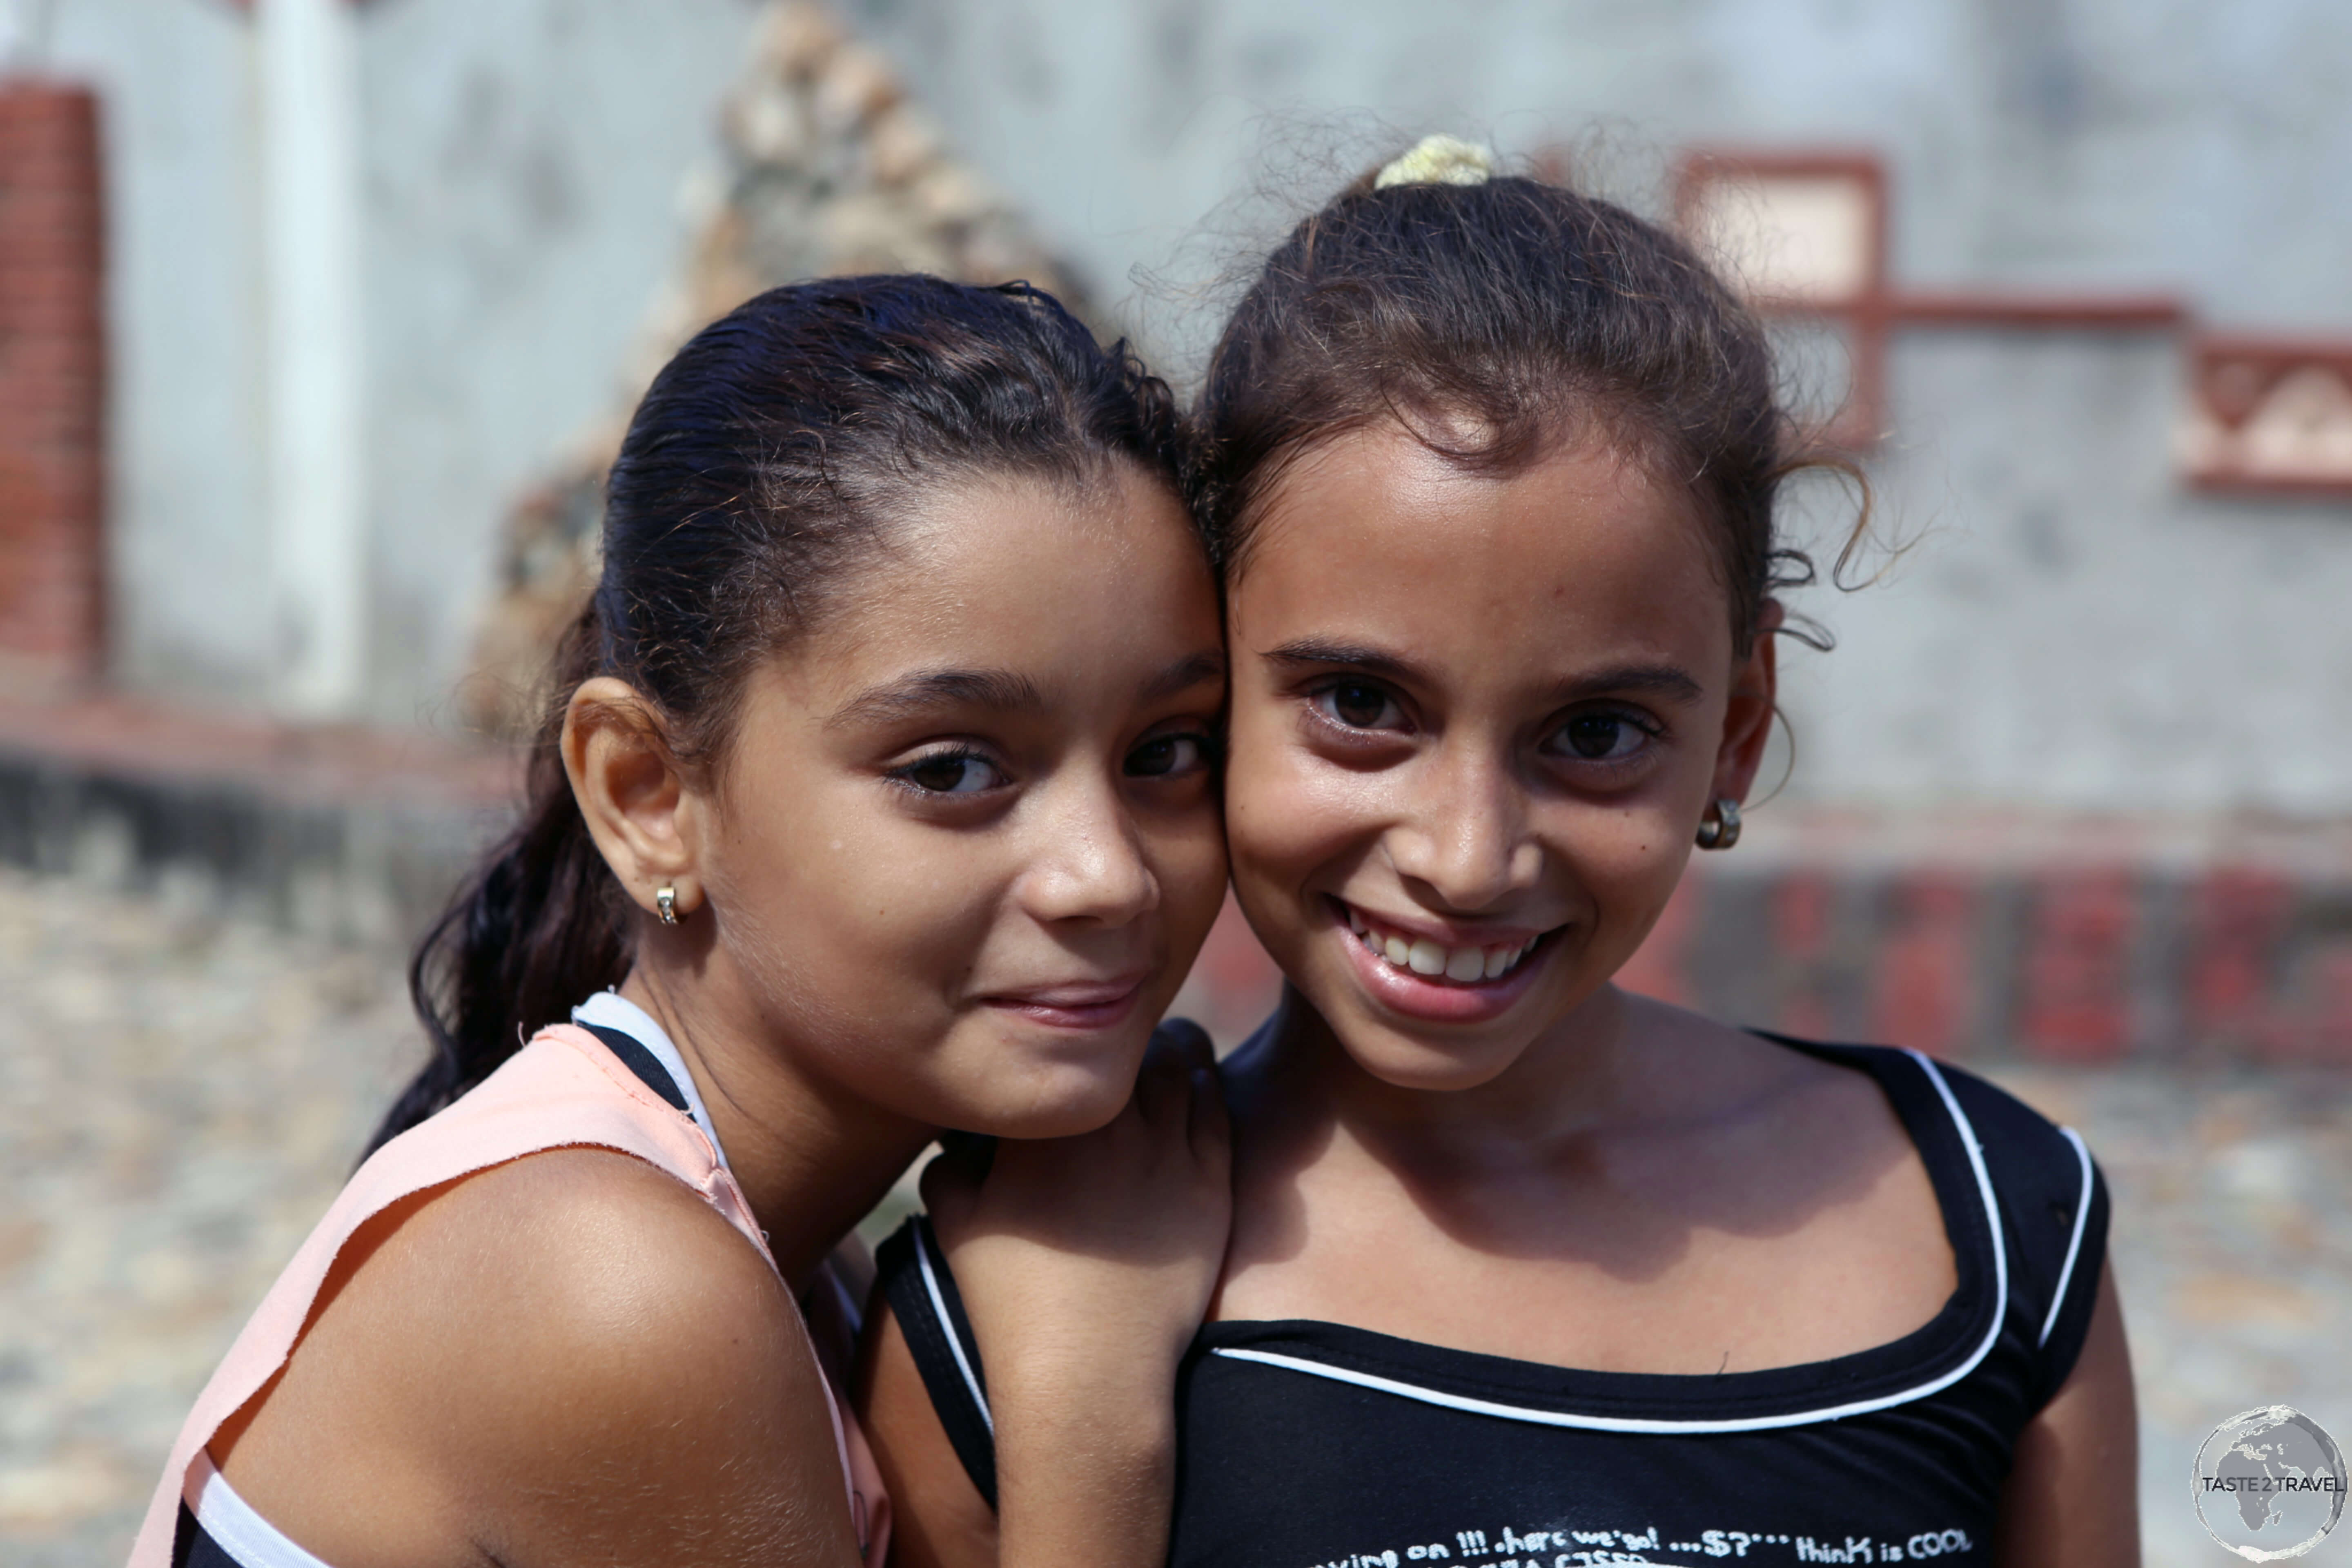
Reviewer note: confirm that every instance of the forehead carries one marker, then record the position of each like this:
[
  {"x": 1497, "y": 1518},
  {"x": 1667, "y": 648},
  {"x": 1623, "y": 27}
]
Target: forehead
[
  {"x": 1583, "y": 553},
  {"x": 1053, "y": 577}
]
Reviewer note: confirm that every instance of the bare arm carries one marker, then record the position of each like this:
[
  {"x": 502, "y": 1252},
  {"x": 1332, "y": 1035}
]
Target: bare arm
[
  {"x": 1085, "y": 1264},
  {"x": 2072, "y": 1498}
]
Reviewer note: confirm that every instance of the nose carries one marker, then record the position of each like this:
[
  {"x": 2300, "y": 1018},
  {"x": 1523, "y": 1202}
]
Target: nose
[
  {"x": 1089, "y": 865},
  {"x": 1464, "y": 838}
]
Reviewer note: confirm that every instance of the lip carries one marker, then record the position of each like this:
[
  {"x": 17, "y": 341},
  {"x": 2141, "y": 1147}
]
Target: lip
[
  {"x": 1077, "y": 1005},
  {"x": 1439, "y": 1001},
  {"x": 1444, "y": 934}
]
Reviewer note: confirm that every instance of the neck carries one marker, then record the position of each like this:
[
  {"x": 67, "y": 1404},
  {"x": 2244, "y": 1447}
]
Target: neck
[
  {"x": 1573, "y": 1079},
  {"x": 812, "y": 1159}
]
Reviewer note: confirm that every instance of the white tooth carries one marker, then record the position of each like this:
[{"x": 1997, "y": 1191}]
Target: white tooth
[
  {"x": 1499, "y": 960},
  {"x": 1530, "y": 947},
  {"x": 1466, "y": 964},
  {"x": 1372, "y": 943},
  {"x": 1427, "y": 957},
  {"x": 1355, "y": 920},
  {"x": 1397, "y": 951}
]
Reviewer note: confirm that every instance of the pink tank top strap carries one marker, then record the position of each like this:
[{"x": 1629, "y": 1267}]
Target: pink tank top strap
[{"x": 564, "y": 1090}]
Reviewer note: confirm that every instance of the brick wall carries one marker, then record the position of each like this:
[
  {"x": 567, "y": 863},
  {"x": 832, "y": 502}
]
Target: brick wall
[
  {"x": 1986, "y": 936},
  {"x": 52, "y": 381}
]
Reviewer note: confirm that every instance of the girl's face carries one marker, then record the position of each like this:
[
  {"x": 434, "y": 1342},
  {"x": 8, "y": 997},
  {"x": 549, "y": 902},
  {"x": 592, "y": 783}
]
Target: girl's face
[
  {"x": 1475, "y": 722},
  {"x": 965, "y": 844}
]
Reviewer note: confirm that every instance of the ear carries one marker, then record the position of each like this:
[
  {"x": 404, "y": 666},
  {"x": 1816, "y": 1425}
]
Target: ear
[
  {"x": 1748, "y": 720},
  {"x": 646, "y": 822}
]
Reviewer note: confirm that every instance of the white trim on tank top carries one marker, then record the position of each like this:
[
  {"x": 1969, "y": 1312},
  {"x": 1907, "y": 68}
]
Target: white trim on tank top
[
  {"x": 611, "y": 1010},
  {"x": 2074, "y": 1242},
  {"x": 251, "y": 1541},
  {"x": 1745, "y": 1423},
  {"x": 947, "y": 1326}
]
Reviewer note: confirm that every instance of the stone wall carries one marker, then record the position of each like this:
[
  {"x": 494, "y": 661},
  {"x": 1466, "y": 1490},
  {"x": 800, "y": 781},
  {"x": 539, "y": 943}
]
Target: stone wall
[{"x": 826, "y": 168}]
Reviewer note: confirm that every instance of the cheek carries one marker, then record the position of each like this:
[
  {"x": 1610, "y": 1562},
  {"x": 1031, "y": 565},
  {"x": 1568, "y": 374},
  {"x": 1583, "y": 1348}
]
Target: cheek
[
  {"x": 1290, "y": 813},
  {"x": 1192, "y": 869},
  {"x": 1625, "y": 860},
  {"x": 840, "y": 907}
]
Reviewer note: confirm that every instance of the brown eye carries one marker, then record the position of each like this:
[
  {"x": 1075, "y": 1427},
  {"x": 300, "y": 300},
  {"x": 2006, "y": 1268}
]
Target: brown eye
[
  {"x": 949, "y": 772},
  {"x": 1167, "y": 756},
  {"x": 1361, "y": 706},
  {"x": 1602, "y": 737}
]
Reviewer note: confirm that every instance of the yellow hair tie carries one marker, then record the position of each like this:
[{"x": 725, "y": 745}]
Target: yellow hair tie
[{"x": 1439, "y": 160}]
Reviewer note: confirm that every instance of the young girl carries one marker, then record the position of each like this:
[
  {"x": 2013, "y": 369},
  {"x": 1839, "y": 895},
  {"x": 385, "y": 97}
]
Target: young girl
[
  {"x": 879, "y": 789},
  {"x": 1525, "y": 1270}
]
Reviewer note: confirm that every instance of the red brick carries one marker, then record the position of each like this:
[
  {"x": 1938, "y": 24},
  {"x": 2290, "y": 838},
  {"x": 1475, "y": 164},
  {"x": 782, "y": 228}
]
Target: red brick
[
  {"x": 2237, "y": 919},
  {"x": 2077, "y": 1002},
  {"x": 52, "y": 376},
  {"x": 2330, "y": 1038},
  {"x": 1926, "y": 967}
]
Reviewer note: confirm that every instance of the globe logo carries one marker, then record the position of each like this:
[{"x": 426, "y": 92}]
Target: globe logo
[{"x": 2268, "y": 1484}]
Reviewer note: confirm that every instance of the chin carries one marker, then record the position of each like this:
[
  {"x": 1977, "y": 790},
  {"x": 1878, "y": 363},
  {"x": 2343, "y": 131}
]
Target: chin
[
  {"x": 1064, "y": 1098},
  {"x": 1061, "y": 1116},
  {"x": 1402, "y": 1061}
]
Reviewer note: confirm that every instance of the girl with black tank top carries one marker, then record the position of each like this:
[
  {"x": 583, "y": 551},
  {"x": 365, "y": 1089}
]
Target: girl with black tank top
[{"x": 1525, "y": 1270}]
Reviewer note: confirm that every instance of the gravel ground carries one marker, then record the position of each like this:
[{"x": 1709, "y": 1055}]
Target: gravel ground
[{"x": 181, "y": 1092}]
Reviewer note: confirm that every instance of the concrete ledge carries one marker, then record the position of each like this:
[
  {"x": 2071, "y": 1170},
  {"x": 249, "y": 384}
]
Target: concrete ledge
[{"x": 354, "y": 834}]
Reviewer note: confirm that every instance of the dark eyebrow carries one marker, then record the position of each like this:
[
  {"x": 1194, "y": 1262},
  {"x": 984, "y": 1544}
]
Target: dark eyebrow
[
  {"x": 1658, "y": 680},
  {"x": 929, "y": 690},
  {"x": 1193, "y": 671},
  {"x": 1663, "y": 680},
  {"x": 1372, "y": 661}
]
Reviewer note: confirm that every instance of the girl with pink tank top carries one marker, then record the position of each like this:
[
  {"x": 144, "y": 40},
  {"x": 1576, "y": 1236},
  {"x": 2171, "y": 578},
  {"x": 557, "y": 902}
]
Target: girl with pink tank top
[{"x": 876, "y": 801}]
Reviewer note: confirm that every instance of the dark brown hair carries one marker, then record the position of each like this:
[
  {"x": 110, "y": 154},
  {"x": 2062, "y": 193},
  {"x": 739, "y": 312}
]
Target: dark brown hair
[
  {"x": 764, "y": 463},
  {"x": 1493, "y": 320}
]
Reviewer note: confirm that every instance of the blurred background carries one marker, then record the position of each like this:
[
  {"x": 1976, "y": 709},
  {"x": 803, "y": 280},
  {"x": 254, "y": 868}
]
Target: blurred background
[{"x": 318, "y": 321}]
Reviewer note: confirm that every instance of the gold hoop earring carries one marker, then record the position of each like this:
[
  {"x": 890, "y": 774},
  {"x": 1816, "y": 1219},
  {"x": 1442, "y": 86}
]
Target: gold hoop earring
[
  {"x": 1719, "y": 828},
  {"x": 665, "y": 904}
]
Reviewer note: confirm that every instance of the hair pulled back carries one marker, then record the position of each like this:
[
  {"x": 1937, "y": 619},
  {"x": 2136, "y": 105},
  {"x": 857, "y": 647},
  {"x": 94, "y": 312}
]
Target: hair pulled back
[
  {"x": 1492, "y": 320},
  {"x": 767, "y": 459}
]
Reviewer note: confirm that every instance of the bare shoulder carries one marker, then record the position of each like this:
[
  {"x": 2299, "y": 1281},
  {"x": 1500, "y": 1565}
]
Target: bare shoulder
[
  {"x": 1805, "y": 1184},
  {"x": 1721, "y": 1071},
  {"x": 562, "y": 1352}
]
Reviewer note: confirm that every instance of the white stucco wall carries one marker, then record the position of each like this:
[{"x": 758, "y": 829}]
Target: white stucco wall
[
  {"x": 522, "y": 163},
  {"x": 2069, "y": 626},
  {"x": 188, "y": 607},
  {"x": 2073, "y": 628}
]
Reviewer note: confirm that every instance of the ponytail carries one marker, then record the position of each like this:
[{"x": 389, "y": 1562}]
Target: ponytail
[{"x": 537, "y": 928}]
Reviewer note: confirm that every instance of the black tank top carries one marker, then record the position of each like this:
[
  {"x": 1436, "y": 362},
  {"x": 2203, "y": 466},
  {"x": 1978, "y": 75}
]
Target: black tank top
[{"x": 1312, "y": 1445}]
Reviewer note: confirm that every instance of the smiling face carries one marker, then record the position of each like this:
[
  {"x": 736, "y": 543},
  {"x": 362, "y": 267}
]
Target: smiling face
[
  {"x": 1475, "y": 720},
  {"x": 964, "y": 843}
]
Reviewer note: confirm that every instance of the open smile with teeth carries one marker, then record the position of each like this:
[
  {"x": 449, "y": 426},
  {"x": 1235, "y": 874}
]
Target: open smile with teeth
[{"x": 1463, "y": 965}]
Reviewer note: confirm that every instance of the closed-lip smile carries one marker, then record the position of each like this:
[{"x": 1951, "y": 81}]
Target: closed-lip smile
[{"x": 1073, "y": 1004}]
